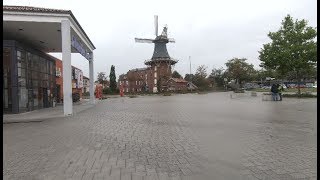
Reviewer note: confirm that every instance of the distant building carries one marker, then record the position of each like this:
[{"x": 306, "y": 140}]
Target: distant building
[
  {"x": 77, "y": 81},
  {"x": 136, "y": 80},
  {"x": 86, "y": 84},
  {"x": 191, "y": 86},
  {"x": 177, "y": 84}
]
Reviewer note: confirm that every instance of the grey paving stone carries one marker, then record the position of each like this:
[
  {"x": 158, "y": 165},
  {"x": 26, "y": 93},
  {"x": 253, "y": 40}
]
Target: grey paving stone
[{"x": 145, "y": 138}]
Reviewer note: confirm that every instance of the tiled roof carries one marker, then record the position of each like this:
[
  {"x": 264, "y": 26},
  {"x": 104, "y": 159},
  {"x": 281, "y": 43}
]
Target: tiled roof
[
  {"x": 179, "y": 80},
  {"x": 34, "y": 9},
  {"x": 44, "y": 10}
]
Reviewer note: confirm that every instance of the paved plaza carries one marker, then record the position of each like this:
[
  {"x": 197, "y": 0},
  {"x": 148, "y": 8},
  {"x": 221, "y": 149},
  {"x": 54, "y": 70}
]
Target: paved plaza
[{"x": 189, "y": 136}]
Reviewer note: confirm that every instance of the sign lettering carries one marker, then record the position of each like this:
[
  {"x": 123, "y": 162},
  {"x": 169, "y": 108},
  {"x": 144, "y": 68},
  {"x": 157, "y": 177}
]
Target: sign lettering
[{"x": 79, "y": 47}]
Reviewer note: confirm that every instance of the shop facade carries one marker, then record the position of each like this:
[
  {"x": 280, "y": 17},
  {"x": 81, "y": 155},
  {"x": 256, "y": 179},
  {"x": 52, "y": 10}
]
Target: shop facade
[
  {"x": 29, "y": 72},
  {"x": 28, "y": 78}
]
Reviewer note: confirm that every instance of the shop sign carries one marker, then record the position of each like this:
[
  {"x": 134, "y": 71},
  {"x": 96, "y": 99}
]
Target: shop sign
[{"x": 79, "y": 47}]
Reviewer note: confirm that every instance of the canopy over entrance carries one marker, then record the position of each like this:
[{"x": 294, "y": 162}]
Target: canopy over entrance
[{"x": 51, "y": 30}]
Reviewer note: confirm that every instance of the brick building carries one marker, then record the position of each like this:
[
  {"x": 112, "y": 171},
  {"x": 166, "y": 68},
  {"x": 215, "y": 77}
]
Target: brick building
[
  {"x": 77, "y": 81},
  {"x": 136, "y": 80},
  {"x": 86, "y": 84},
  {"x": 177, "y": 84},
  {"x": 144, "y": 80}
]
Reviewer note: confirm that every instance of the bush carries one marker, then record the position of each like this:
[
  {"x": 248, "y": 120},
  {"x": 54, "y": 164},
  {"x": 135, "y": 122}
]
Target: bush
[
  {"x": 239, "y": 91},
  {"x": 201, "y": 92},
  {"x": 167, "y": 94},
  {"x": 86, "y": 94},
  {"x": 302, "y": 95},
  {"x": 108, "y": 91}
]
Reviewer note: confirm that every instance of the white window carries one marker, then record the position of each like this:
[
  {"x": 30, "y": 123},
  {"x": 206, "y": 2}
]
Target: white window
[
  {"x": 155, "y": 74},
  {"x": 155, "y": 68},
  {"x": 127, "y": 82},
  {"x": 155, "y": 81},
  {"x": 127, "y": 90},
  {"x": 136, "y": 82}
]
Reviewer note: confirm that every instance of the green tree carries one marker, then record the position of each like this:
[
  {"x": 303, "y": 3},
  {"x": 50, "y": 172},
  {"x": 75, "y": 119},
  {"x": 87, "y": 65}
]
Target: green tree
[
  {"x": 217, "y": 77},
  {"x": 189, "y": 77},
  {"x": 200, "y": 78},
  {"x": 239, "y": 70},
  {"x": 292, "y": 49},
  {"x": 175, "y": 74},
  {"x": 101, "y": 77},
  {"x": 113, "y": 82}
]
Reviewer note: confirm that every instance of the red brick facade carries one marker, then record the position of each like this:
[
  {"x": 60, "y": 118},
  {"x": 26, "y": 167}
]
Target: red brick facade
[
  {"x": 59, "y": 82},
  {"x": 143, "y": 79},
  {"x": 176, "y": 84}
]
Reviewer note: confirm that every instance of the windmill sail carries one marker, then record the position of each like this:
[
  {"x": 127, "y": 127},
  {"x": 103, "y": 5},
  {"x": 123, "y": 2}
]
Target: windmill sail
[{"x": 156, "y": 24}]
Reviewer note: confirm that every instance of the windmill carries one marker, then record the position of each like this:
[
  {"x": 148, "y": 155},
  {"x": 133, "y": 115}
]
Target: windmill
[{"x": 160, "y": 62}]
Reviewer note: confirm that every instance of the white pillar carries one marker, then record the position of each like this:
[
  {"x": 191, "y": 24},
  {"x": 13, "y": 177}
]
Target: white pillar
[
  {"x": 91, "y": 89},
  {"x": 66, "y": 67}
]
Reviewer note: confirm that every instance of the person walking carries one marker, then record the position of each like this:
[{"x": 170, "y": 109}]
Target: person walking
[
  {"x": 280, "y": 89},
  {"x": 274, "y": 91}
]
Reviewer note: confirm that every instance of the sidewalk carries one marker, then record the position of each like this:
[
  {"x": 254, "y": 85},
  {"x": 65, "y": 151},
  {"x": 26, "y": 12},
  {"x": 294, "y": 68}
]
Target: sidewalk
[{"x": 47, "y": 113}]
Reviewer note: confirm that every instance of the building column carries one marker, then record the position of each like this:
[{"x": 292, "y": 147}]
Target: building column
[
  {"x": 66, "y": 67},
  {"x": 91, "y": 79}
]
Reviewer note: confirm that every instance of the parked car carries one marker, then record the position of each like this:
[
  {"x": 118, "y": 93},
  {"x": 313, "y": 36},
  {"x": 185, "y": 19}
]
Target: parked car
[
  {"x": 284, "y": 86},
  {"x": 266, "y": 87}
]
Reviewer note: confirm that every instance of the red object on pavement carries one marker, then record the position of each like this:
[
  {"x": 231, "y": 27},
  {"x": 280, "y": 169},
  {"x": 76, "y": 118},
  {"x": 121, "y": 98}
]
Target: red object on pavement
[
  {"x": 98, "y": 91},
  {"x": 121, "y": 90}
]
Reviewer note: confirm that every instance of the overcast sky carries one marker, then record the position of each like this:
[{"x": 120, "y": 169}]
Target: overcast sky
[{"x": 211, "y": 32}]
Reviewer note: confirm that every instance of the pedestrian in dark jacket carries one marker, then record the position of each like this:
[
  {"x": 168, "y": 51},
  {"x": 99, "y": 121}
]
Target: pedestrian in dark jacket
[{"x": 274, "y": 91}]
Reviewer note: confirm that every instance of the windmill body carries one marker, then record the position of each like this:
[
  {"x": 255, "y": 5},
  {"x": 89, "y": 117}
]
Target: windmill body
[{"x": 160, "y": 63}]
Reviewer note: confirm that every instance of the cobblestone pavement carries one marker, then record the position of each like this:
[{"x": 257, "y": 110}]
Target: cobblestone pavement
[{"x": 178, "y": 137}]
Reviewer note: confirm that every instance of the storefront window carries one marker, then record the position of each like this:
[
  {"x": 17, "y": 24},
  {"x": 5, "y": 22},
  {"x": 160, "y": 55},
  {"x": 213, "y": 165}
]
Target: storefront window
[
  {"x": 48, "y": 66},
  {"x": 22, "y": 82},
  {"x": 35, "y": 98},
  {"x": 7, "y": 104},
  {"x": 35, "y": 75},
  {"x": 52, "y": 69},
  {"x": 29, "y": 60},
  {"x": 35, "y": 62},
  {"x": 35, "y": 84},
  {"x": 23, "y": 98},
  {"x": 40, "y": 97}
]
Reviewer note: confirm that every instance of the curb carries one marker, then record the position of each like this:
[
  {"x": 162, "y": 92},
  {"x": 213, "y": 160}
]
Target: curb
[{"x": 44, "y": 118}]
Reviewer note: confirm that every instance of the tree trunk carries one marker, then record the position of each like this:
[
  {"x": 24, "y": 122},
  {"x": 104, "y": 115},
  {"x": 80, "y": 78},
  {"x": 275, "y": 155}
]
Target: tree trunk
[{"x": 298, "y": 80}]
